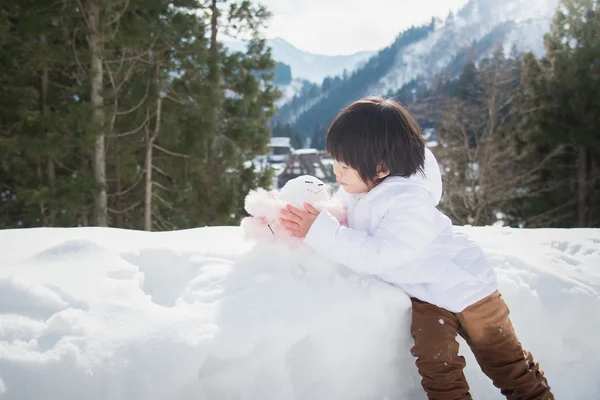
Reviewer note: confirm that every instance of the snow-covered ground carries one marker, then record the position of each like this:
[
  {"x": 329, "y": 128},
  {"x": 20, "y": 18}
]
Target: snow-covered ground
[{"x": 95, "y": 313}]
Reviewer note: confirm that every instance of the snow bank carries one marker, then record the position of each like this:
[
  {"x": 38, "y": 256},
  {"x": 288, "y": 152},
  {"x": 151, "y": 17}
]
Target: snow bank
[{"x": 202, "y": 314}]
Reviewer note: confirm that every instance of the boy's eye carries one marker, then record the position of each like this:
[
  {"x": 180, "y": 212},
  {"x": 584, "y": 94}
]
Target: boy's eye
[{"x": 342, "y": 166}]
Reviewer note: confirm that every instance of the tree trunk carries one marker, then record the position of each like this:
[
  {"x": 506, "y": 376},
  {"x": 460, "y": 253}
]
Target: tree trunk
[
  {"x": 214, "y": 82},
  {"x": 118, "y": 188},
  {"x": 50, "y": 165},
  {"x": 492, "y": 102},
  {"x": 148, "y": 188},
  {"x": 41, "y": 204},
  {"x": 592, "y": 192},
  {"x": 214, "y": 19},
  {"x": 582, "y": 183},
  {"x": 85, "y": 221},
  {"x": 96, "y": 75},
  {"x": 51, "y": 170},
  {"x": 149, "y": 147}
]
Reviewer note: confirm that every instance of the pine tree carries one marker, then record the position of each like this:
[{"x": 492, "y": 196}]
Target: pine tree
[
  {"x": 297, "y": 142},
  {"x": 285, "y": 130},
  {"x": 44, "y": 179},
  {"x": 165, "y": 164},
  {"x": 560, "y": 121},
  {"x": 317, "y": 140},
  {"x": 100, "y": 20}
]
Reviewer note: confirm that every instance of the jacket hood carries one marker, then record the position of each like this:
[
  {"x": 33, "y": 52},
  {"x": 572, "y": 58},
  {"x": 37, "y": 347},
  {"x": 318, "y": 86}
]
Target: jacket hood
[{"x": 431, "y": 178}]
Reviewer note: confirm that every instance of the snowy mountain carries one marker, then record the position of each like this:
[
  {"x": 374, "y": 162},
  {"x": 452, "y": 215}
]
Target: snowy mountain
[
  {"x": 443, "y": 47},
  {"x": 518, "y": 23},
  {"x": 309, "y": 66}
]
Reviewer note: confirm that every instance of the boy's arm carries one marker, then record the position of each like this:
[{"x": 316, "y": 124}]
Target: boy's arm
[{"x": 403, "y": 234}]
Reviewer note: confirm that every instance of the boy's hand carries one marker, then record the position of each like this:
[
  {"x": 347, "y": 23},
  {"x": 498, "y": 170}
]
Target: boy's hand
[{"x": 298, "y": 221}]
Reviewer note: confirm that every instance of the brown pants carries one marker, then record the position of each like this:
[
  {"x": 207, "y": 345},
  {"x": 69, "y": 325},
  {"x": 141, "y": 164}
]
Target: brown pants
[{"x": 487, "y": 329}]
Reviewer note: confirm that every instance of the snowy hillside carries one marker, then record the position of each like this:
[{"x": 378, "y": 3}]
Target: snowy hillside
[
  {"x": 289, "y": 91},
  {"x": 518, "y": 23},
  {"x": 444, "y": 47},
  {"x": 96, "y": 313},
  {"x": 309, "y": 66}
]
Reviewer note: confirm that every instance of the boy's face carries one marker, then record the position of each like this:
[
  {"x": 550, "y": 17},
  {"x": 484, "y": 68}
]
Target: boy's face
[{"x": 349, "y": 179}]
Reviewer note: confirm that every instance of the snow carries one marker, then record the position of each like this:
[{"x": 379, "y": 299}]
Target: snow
[
  {"x": 305, "y": 107},
  {"x": 279, "y": 142},
  {"x": 428, "y": 133},
  {"x": 306, "y": 151},
  {"x": 289, "y": 91},
  {"x": 528, "y": 36},
  {"x": 98, "y": 313},
  {"x": 429, "y": 56},
  {"x": 305, "y": 65}
]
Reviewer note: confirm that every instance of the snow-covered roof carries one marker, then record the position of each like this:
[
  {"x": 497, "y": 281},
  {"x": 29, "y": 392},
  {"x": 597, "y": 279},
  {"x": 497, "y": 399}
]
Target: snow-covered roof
[
  {"x": 280, "y": 142},
  {"x": 306, "y": 151}
]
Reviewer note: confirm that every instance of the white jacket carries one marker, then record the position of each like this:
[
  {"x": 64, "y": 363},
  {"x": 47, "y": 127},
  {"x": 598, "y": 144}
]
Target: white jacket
[{"x": 397, "y": 234}]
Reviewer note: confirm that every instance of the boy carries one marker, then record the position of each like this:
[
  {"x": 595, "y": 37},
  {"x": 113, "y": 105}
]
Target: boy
[{"x": 392, "y": 185}]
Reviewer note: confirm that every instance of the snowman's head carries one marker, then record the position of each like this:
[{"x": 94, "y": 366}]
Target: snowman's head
[{"x": 304, "y": 189}]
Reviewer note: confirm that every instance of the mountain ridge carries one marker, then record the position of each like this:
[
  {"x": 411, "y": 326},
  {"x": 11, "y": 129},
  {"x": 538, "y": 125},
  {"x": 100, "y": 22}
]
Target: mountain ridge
[
  {"x": 305, "y": 65},
  {"x": 426, "y": 52}
]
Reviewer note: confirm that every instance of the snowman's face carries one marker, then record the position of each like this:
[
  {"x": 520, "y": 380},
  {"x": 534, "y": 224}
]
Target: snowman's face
[
  {"x": 314, "y": 187},
  {"x": 304, "y": 189}
]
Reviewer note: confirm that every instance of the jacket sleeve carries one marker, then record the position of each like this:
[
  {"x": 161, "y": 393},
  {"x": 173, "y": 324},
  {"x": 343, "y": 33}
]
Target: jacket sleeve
[{"x": 403, "y": 234}]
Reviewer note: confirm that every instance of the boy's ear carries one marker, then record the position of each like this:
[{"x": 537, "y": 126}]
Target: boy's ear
[{"x": 382, "y": 171}]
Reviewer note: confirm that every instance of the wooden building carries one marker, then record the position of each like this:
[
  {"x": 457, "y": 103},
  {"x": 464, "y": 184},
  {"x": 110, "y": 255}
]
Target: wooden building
[{"x": 306, "y": 162}]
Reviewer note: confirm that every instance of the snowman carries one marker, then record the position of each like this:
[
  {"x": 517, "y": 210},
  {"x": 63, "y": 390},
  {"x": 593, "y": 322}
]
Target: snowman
[{"x": 264, "y": 206}]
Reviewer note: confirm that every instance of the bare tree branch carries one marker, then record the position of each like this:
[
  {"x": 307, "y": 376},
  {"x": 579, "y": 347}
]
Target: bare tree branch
[
  {"x": 163, "y": 201},
  {"x": 138, "y": 105},
  {"x": 125, "y": 210},
  {"x": 172, "y": 153},
  {"x": 160, "y": 171},
  {"x": 163, "y": 187},
  {"x": 133, "y": 131},
  {"x": 130, "y": 188}
]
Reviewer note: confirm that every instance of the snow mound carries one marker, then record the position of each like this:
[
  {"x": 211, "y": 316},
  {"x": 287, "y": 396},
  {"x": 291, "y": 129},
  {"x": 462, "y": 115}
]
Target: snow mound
[{"x": 100, "y": 313}]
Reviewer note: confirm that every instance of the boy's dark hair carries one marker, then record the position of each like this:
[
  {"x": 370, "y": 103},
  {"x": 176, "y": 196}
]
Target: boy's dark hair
[{"x": 374, "y": 131}]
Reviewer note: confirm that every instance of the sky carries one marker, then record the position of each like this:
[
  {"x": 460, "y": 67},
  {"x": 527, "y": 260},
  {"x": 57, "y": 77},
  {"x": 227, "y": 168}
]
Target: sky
[{"x": 337, "y": 27}]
